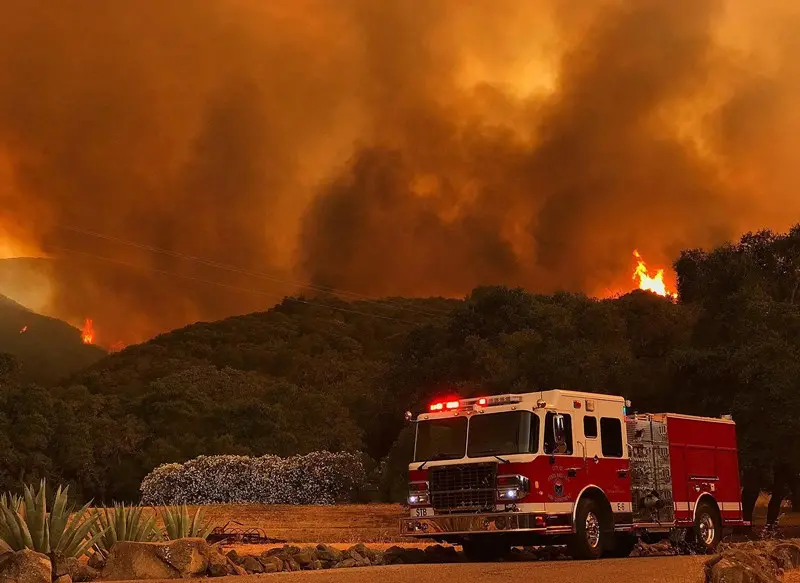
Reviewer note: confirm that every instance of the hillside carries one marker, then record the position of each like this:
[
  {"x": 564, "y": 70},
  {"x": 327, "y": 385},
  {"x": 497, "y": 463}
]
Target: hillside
[
  {"x": 323, "y": 373},
  {"x": 46, "y": 348}
]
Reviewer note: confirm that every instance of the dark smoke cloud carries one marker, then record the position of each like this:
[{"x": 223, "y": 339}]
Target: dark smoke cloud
[{"x": 395, "y": 147}]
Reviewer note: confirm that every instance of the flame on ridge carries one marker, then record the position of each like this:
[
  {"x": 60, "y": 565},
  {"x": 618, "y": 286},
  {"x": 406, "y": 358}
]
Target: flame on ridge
[
  {"x": 654, "y": 283},
  {"x": 87, "y": 332}
]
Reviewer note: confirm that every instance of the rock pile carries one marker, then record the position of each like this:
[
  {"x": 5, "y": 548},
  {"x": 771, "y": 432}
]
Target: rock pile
[
  {"x": 294, "y": 558},
  {"x": 753, "y": 562},
  {"x": 179, "y": 559}
]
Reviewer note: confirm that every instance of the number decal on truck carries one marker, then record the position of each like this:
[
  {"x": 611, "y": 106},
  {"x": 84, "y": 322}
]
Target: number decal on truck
[
  {"x": 620, "y": 507},
  {"x": 420, "y": 512}
]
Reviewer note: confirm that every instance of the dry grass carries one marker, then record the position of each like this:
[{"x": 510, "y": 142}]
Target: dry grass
[{"x": 344, "y": 523}]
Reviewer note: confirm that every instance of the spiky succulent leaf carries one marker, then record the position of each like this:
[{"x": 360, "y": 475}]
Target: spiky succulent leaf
[
  {"x": 179, "y": 524},
  {"x": 16, "y": 533},
  {"x": 35, "y": 516},
  {"x": 123, "y": 523}
]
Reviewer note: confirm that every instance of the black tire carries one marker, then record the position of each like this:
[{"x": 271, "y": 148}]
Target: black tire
[
  {"x": 622, "y": 546},
  {"x": 707, "y": 530},
  {"x": 590, "y": 532},
  {"x": 484, "y": 550}
]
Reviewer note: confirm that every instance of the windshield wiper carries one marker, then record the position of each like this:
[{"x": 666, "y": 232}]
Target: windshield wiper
[
  {"x": 439, "y": 456},
  {"x": 491, "y": 453}
]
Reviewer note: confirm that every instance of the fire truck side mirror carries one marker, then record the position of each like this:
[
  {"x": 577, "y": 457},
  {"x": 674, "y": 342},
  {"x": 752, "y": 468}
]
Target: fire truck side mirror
[{"x": 409, "y": 416}]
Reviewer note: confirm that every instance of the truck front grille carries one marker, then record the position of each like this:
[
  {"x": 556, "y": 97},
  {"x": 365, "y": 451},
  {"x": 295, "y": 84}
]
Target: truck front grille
[{"x": 463, "y": 488}]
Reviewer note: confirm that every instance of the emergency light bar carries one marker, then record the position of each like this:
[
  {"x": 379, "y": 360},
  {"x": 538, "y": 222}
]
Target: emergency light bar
[{"x": 476, "y": 402}]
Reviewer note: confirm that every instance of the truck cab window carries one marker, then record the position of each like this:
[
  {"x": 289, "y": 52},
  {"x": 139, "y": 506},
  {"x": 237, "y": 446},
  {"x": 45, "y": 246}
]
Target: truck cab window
[
  {"x": 611, "y": 437},
  {"x": 505, "y": 433},
  {"x": 590, "y": 427},
  {"x": 441, "y": 439},
  {"x": 557, "y": 434}
]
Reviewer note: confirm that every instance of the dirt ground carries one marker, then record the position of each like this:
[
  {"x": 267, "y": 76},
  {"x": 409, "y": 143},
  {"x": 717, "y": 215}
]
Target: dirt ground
[
  {"x": 642, "y": 570},
  {"x": 353, "y": 523}
]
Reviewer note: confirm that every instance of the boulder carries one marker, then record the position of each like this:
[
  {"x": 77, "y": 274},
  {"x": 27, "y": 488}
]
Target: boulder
[
  {"x": 96, "y": 561},
  {"x": 271, "y": 563},
  {"x": 729, "y": 571},
  {"x": 63, "y": 579},
  {"x": 398, "y": 555},
  {"x": 329, "y": 553},
  {"x": 441, "y": 554},
  {"x": 252, "y": 565},
  {"x": 364, "y": 551},
  {"x": 270, "y": 568},
  {"x": 345, "y": 564},
  {"x": 786, "y": 554},
  {"x": 25, "y": 566},
  {"x": 305, "y": 557},
  {"x": 177, "y": 559},
  {"x": 234, "y": 556},
  {"x": 78, "y": 571},
  {"x": 217, "y": 565},
  {"x": 361, "y": 560}
]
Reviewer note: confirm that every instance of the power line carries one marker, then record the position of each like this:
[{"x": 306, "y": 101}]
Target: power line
[
  {"x": 233, "y": 287},
  {"x": 258, "y": 274}
]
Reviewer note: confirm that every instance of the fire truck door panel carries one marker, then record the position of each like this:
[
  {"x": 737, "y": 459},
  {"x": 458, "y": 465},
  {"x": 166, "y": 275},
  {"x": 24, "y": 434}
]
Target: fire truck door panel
[
  {"x": 651, "y": 480},
  {"x": 591, "y": 438},
  {"x": 565, "y": 463}
]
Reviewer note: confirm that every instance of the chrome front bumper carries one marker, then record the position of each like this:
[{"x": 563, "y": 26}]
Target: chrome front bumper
[{"x": 478, "y": 523}]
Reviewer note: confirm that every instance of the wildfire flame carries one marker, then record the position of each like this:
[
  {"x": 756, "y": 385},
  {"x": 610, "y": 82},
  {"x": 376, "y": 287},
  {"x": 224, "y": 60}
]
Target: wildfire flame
[
  {"x": 87, "y": 332},
  {"x": 647, "y": 282},
  {"x": 23, "y": 330}
]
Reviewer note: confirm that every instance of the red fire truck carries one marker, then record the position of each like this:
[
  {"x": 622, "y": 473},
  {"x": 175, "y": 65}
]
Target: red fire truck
[{"x": 567, "y": 467}]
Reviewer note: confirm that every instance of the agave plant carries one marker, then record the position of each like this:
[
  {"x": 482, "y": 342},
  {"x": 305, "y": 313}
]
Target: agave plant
[
  {"x": 11, "y": 501},
  {"x": 27, "y": 523},
  {"x": 178, "y": 524},
  {"x": 122, "y": 523}
]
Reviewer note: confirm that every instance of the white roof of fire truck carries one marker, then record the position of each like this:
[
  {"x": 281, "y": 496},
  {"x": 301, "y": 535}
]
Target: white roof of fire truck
[
  {"x": 554, "y": 399},
  {"x": 558, "y": 399}
]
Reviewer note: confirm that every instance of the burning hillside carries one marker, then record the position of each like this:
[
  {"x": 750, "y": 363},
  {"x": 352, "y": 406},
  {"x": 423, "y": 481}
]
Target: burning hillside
[{"x": 387, "y": 149}]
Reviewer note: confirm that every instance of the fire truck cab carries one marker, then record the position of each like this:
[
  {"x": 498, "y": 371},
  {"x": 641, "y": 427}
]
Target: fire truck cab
[{"x": 568, "y": 467}]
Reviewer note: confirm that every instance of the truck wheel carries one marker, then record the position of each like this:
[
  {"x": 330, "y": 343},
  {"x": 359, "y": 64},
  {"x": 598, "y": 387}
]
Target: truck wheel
[
  {"x": 707, "y": 529},
  {"x": 484, "y": 551},
  {"x": 623, "y": 545},
  {"x": 588, "y": 540}
]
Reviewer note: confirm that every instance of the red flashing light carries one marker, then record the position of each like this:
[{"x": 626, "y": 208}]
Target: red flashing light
[
  {"x": 437, "y": 406},
  {"x": 451, "y": 405},
  {"x": 576, "y": 404},
  {"x": 482, "y": 401}
]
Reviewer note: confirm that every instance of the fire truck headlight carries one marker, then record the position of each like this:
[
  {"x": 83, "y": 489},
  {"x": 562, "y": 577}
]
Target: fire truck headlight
[
  {"x": 512, "y": 487},
  {"x": 417, "y": 499},
  {"x": 418, "y": 493},
  {"x": 509, "y": 494}
]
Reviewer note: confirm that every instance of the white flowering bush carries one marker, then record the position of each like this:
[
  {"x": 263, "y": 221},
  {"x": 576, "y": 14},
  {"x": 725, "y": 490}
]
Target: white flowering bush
[{"x": 319, "y": 477}]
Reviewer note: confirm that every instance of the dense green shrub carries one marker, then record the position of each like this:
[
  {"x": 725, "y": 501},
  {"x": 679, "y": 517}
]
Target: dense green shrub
[{"x": 316, "y": 478}]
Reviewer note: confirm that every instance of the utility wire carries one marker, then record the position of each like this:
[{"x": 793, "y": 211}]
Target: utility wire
[
  {"x": 229, "y": 286},
  {"x": 258, "y": 274}
]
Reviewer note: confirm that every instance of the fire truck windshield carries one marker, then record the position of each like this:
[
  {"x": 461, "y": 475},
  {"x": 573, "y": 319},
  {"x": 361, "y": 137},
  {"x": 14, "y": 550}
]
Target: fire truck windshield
[
  {"x": 503, "y": 434},
  {"x": 494, "y": 434},
  {"x": 441, "y": 439}
]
